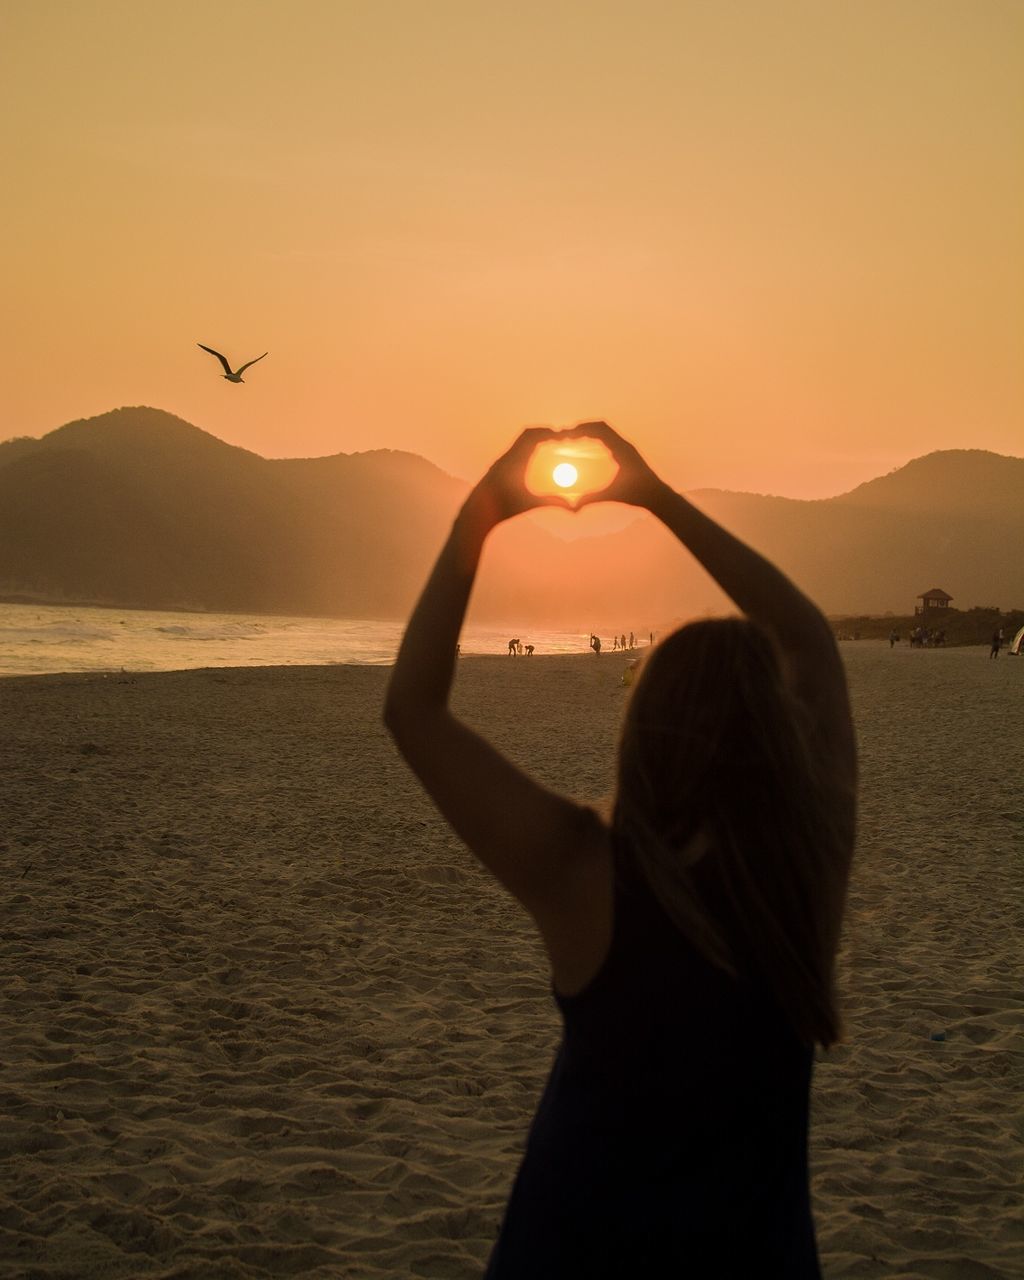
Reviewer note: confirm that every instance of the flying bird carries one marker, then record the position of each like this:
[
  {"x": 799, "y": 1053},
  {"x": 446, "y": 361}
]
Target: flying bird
[{"x": 231, "y": 377}]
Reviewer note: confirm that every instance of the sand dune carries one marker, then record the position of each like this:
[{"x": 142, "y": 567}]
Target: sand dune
[{"x": 261, "y": 1015}]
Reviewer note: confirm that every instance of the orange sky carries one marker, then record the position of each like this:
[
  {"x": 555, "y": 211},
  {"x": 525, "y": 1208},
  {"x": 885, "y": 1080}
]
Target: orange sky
[{"x": 780, "y": 245}]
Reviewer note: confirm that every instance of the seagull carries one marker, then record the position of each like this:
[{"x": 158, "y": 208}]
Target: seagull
[{"x": 231, "y": 377}]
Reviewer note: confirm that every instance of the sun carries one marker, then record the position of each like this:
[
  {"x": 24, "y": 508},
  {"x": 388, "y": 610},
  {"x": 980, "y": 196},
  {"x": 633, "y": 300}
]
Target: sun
[{"x": 565, "y": 475}]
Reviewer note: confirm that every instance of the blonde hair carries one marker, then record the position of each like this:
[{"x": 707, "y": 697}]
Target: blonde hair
[{"x": 720, "y": 807}]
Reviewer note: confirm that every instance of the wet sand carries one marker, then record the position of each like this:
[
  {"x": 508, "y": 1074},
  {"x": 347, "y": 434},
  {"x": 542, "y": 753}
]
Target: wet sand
[{"x": 261, "y": 1015}]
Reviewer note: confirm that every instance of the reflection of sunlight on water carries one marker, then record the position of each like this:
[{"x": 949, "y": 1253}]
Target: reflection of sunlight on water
[{"x": 37, "y": 639}]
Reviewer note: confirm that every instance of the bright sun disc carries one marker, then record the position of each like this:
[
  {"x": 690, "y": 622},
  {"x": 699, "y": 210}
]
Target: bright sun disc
[{"x": 565, "y": 475}]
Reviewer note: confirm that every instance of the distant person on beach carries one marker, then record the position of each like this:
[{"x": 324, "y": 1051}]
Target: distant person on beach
[
  {"x": 894, "y": 636},
  {"x": 529, "y": 650},
  {"x": 997, "y": 643},
  {"x": 595, "y": 644},
  {"x": 513, "y": 647},
  {"x": 691, "y": 935},
  {"x": 615, "y": 643}
]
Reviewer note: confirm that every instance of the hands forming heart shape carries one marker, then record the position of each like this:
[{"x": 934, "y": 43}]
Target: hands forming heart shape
[{"x": 572, "y": 468}]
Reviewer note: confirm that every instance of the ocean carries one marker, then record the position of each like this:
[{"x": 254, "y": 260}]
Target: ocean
[{"x": 37, "y": 639}]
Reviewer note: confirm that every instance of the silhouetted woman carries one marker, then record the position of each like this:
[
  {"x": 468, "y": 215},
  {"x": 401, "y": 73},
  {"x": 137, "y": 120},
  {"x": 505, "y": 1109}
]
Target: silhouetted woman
[{"x": 691, "y": 938}]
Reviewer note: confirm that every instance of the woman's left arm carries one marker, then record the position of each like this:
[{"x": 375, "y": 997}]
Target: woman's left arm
[{"x": 531, "y": 839}]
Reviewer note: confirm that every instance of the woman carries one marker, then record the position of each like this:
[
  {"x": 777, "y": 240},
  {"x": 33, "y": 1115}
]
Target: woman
[{"x": 691, "y": 938}]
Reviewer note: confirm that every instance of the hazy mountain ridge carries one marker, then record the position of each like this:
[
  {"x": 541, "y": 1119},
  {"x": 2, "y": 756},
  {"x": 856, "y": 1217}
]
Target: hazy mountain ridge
[
  {"x": 974, "y": 480},
  {"x": 137, "y": 507}
]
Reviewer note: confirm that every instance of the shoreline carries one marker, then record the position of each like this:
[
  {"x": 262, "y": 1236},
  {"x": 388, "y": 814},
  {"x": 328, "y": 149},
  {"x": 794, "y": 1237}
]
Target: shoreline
[
  {"x": 878, "y": 623},
  {"x": 630, "y": 655},
  {"x": 36, "y": 640}
]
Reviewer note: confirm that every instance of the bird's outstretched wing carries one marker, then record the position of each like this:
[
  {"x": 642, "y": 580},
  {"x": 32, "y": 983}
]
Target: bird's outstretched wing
[
  {"x": 227, "y": 367},
  {"x": 256, "y": 361}
]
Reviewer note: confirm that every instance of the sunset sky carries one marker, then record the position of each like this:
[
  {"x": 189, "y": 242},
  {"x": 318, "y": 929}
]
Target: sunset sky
[{"x": 780, "y": 245}]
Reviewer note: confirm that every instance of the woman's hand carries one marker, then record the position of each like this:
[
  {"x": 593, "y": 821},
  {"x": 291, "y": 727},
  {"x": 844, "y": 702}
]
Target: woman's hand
[
  {"x": 502, "y": 492},
  {"x": 634, "y": 483}
]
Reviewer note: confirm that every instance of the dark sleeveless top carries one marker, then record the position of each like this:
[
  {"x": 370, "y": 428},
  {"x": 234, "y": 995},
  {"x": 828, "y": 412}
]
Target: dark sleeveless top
[{"x": 671, "y": 1137}]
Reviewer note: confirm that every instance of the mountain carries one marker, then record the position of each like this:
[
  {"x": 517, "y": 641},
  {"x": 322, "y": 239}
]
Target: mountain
[
  {"x": 952, "y": 519},
  {"x": 139, "y": 508}
]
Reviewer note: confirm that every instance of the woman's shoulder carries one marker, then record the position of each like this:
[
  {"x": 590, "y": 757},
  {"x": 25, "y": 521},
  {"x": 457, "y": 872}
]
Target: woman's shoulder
[
  {"x": 607, "y": 905},
  {"x": 577, "y": 922}
]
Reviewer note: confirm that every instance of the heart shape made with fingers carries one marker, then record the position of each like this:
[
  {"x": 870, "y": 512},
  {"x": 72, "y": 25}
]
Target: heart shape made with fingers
[{"x": 570, "y": 467}]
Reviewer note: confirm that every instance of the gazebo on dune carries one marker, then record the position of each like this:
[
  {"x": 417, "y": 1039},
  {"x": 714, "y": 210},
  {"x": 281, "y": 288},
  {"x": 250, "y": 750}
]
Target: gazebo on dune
[{"x": 933, "y": 601}]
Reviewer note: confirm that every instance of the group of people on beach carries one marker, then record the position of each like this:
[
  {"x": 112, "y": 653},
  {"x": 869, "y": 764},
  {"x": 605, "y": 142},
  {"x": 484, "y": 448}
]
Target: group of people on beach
[
  {"x": 919, "y": 638},
  {"x": 927, "y": 638},
  {"x": 619, "y": 642},
  {"x": 516, "y": 648}
]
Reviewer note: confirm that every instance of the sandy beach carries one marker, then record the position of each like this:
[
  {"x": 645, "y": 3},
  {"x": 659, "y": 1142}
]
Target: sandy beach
[{"x": 262, "y": 1015}]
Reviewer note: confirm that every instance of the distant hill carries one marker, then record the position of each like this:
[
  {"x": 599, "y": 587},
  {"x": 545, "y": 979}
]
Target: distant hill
[{"x": 138, "y": 508}]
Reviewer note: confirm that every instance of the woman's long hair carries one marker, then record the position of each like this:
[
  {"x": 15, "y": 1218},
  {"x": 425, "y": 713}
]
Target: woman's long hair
[{"x": 720, "y": 808}]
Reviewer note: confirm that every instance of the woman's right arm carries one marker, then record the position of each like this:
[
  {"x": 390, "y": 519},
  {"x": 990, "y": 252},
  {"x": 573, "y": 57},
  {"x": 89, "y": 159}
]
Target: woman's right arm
[{"x": 797, "y": 626}]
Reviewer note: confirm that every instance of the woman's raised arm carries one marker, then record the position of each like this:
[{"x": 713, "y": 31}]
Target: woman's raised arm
[
  {"x": 527, "y": 836},
  {"x": 797, "y": 626}
]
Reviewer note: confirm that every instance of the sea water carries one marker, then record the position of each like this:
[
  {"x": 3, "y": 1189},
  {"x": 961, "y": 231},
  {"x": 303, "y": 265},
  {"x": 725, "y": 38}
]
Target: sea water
[{"x": 37, "y": 639}]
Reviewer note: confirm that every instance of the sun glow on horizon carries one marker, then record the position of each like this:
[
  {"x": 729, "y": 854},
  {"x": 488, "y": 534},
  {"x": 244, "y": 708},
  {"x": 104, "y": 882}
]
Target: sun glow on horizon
[{"x": 565, "y": 475}]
